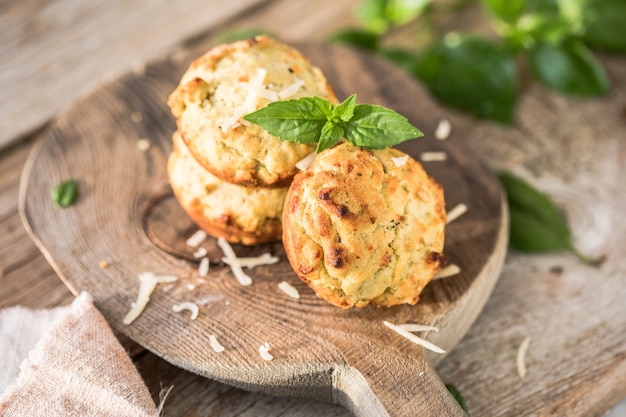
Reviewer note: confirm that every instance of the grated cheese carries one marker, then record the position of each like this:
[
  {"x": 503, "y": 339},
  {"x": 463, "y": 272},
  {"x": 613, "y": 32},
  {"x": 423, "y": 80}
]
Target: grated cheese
[
  {"x": 305, "y": 162},
  {"x": 290, "y": 90},
  {"x": 446, "y": 272},
  {"x": 433, "y": 156},
  {"x": 418, "y": 328},
  {"x": 443, "y": 129},
  {"x": 196, "y": 239},
  {"x": 234, "y": 263},
  {"x": 147, "y": 283},
  {"x": 191, "y": 307},
  {"x": 415, "y": 339},
  {"x": 143, "y": 144},
  {"x": 521, "y": 357},
  {"x": 251, "y": 262},
  {"x": 200, "y": 253},
  {"x": 289, "y": 289},
  {"x": 455, "y": 213},
  {"x": 203, "y": 268},
  {"x": 264, "y": 351},
  {"x": 215, "y": 345},
  {"x": 400, "y": 160}
]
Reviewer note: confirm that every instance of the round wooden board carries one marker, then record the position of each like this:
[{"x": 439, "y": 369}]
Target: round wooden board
[{"x": 125, "y": 215}]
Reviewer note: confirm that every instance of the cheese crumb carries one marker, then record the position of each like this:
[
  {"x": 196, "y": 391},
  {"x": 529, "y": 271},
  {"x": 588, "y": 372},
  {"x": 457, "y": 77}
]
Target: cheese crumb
[
  {"x": 290, "y": 90},
  {"x": 443, "y": 129},
  {"x": 196, "y": 239},
  {"x": 415, "y": 339},
  {"x": 191, "y": 307},
  {"x": 143, "y": 144},
  {"x": 200, "y": 253},
  {"x": 289, "y": 289},
  {"x": 215, "y": 345},
  {"x": 447, "y": 271},
  {"x": 253, "y": 261},
  {"x": 455, "y": 213},
  {"x": 400, "y": 160},
  {"x": 104, "y": 264},
  {"x": 234, "y": 263},
  {"x": 147, "y": 283},
  {"x": 305, "y": 162},
  {"x": 264, "y": 351},
  {"x": 433, "y": 156},
  {"x": 203, "y": 268},
  {"x": 521, "y": 357},
  {"x": 136, "y": 116}
]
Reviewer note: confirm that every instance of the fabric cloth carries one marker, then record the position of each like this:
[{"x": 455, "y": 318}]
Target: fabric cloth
[{"x": 75, "y": 365}]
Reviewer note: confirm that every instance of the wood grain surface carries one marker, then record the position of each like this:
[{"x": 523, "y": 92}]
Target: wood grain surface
[{"x": 322, "y": 352}]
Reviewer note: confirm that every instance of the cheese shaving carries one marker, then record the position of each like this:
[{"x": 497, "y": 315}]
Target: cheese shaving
[
  {"x": 203, "y": 268},
  {"x": 191, "y": 307},
  {"x": 289, "y": 289},
  {"x": 234, "y": 263},
  {"x": 305, "y": 162},
  {"x": 147, "y": 283},
  {"x": 215, "y": 345},
  {"x": 443, "y": 129},
  {"x": 400, "y": 160},
  {"x": 290, "y": 90},
  {"x": 143, "y": 144},
  {"x": 418, "y": 328},
  {"x": 196, "y": 239},
  {"x": 264, "y": 351},
  {"x": 251, "y": 262},
  {"x": 446, "y": 272},
  {"x": 433, "y": 156},
  {"x": 521, "y": 357},
  {"x": 455, "y": 213},
  {"x": 415, "y": 339},
  {"x": 200, "y": 253}
]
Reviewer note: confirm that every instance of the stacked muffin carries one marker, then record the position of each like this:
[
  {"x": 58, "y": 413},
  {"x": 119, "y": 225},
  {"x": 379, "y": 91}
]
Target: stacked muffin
[{"x": 231, "y": 177}]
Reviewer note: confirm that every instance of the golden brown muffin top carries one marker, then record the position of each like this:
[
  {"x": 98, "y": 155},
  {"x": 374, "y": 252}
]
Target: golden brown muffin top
[{"x": 364, "y": 226}]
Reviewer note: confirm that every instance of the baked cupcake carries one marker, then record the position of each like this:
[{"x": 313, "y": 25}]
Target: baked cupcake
[
  {"x": 229, "y": 82},
  {"x": 364, "y": 227},
  {"x": 239, "y": 214}
]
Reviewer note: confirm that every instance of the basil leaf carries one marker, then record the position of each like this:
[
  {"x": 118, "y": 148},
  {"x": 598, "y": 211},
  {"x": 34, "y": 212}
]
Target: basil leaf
[
  {"x": 506, "y": 10},
  {"x": 376, "y": 127},
  {"x": 380, "y": 15},
  {"x": 570, "y": 69},
  {"x": 64, "y": 194},
  {"x": 458, "y": 397},
  {"x": 330, "y": 135},
  {"x": 536, "y": 224},
  {"x": 372, "y": 14},
  {"x": 604, "y": 24},
  {"x": 363, "y": 39},
  {"x": 299, "y": 120},
  {"x": 344, "y": 111},
  {"x": 472, "y": 74},
  {"x": 402, "y": 57}
]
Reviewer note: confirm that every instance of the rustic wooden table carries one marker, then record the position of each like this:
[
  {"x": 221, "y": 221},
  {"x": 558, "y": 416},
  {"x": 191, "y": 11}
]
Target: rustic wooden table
[{"x": 54, "y": 51}]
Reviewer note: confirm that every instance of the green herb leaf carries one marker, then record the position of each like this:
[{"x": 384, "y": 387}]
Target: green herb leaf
[
  {"x": 380, "y": 15},
  {"x": 299, "y": 120},
  {"x": 603, "y": 23},
  {"x": 316, "y": 120},
  {"x": 536, "y": 224},
  {"x": 569, "y": 69},
  {"x": 506, "y": 10},
  {"x": 378, "y": 127},
  {"x": 472, "y": 74},
  {"x": 402, "y": 57},
  {"x": 64, "y": 194},
  {"x": 363, "y": 39},
  {"x": 458, "y": 397}
]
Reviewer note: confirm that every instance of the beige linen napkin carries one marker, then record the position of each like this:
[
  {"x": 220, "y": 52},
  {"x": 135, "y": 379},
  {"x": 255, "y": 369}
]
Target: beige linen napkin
[{"x": 77, "y": 368}]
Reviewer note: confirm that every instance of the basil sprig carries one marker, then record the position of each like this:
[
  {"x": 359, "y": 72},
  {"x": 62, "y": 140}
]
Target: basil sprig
[{"x": 316, "y": 120}]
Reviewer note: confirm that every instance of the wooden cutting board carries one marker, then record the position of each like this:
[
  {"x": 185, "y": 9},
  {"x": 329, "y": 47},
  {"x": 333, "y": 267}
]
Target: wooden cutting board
[{"x": 126, "y": 216}]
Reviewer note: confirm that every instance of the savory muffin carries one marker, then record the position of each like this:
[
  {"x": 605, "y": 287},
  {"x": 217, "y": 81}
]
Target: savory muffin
[
  {"x": 364, "y": 226},
  {"x": 229, "y": 82},
  {"x": 238, "y": 214}
]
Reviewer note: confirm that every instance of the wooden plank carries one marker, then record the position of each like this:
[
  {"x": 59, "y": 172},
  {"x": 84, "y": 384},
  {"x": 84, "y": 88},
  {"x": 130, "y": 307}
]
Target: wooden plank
[{"x": 52, "y": 52}]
